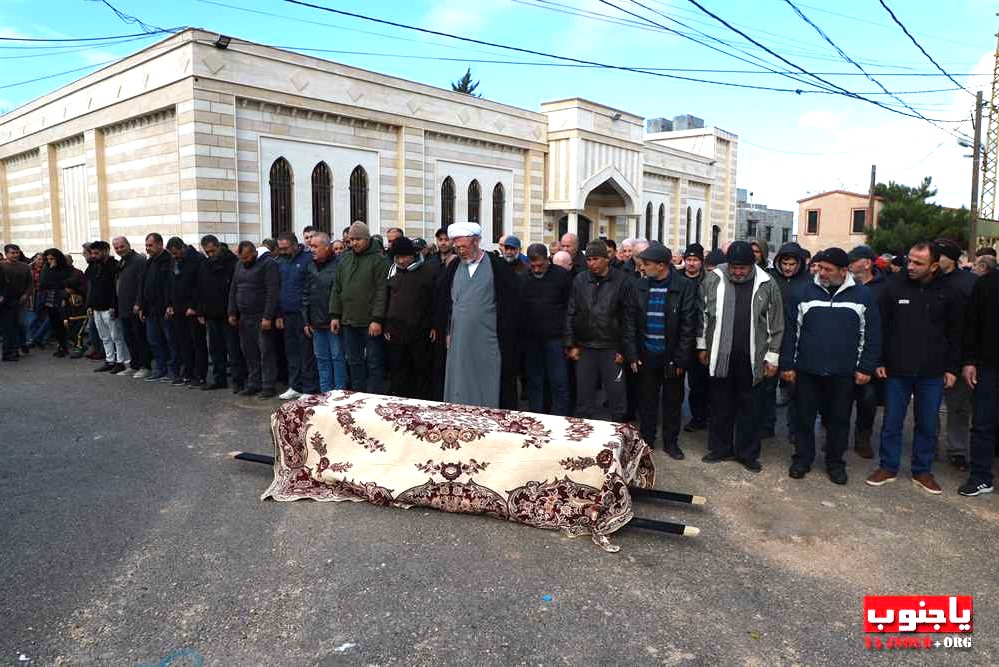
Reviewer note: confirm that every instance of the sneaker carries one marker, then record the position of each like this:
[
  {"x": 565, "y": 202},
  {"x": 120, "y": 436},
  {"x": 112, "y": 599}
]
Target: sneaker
[
  {"x": 290, "y": 395},
  {"x": 694, "y": 425},
  {"x": 864, "y": 451},
  {"x": 142, "y": 374},
  {"x": 973, "y": 488},
  {"x": 60, "y": 353},
  {"x": 958, "y": 462},
  {"x": 76, "y": 354},
  {"x": 926, "y": 482},
  {"x": 266, "y": 394},
  {"x": 178, "y": 382},
  {"x": 214, "y": 385},
  {"x": 751, "y": 466},
  {"x": 250, "y": 391},
  {"x": 118, "y": 368},
  {"x": 104, "y": 368},
  {"x": 167, "y": 378},
  {"x": 794, "y": 472},
  {"x": 26, "y": 348},
  {"x": 838, "y": 476},
  {"x": 128, "y": 372},
  {"x": 716, "y": 458},
  {"x": 675, "y": 453},
  {"x": 237, "y": 388},
  {"x": 195, "y": 384},
  {"x": 880, "y": 477}
]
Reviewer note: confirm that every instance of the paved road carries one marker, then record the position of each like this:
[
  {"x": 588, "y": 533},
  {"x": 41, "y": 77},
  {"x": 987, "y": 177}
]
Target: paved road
[{"x": 127, "y": 536}]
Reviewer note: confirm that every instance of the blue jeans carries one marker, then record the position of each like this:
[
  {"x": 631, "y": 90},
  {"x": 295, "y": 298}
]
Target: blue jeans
[
  {"x": 159, "y": 334},
  {"x": 330, "y": 360},
  {"x": 928, "y": 393},
  {"x": 545, "y": 360},
  {"x": 983, "y": 424},
  {"x": 39, "y": 327},
  {"x": 366, "y": 359}
]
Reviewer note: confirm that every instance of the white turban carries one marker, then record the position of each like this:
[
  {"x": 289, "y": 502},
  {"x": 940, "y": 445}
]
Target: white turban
[{"x": 459, "y": 229}]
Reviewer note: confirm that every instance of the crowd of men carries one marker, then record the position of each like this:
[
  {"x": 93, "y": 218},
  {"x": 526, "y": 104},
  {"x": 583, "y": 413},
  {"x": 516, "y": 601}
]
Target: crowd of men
[{"x": 630, "y": 328}]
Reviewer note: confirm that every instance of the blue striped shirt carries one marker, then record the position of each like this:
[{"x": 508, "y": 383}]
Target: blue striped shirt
[{"x": 655, "y": 316}]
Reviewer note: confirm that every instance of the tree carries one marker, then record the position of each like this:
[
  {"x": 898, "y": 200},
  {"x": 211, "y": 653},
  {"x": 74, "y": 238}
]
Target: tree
[
  {"x": 908, "y": 217},
  {"x": 465, "y": 84}
]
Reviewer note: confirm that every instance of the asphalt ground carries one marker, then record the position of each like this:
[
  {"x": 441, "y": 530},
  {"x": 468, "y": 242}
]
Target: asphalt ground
[{"x": 128, "y": 538}]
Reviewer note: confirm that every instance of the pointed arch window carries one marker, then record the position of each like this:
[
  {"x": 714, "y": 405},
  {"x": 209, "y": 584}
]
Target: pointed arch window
[
  {"x": 322, "y": 191},
  {"x": 662, "y": 224},
  {"x": 359, "y": 195},
  {"x": 447, "y": 202},
  {"x": 698, "y": 225},
  {"x": 499, "y": 206},
  {"x": 281, "y": 183},
  {"x": 648, "y": 221},
  {"x": 690, "y": 220},
  {"x": 474, "y": 202}
]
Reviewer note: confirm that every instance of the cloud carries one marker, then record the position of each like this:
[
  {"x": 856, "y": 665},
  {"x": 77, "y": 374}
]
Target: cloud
[
  {"x": 464, "y": 17},
  {"x": 97, "y": 57},
  {"x": 823, "y": 120}
]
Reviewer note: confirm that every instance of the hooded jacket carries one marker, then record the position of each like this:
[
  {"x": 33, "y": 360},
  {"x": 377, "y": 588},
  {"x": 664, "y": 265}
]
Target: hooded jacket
[
  {"x": 765, "y": 252},
  {"x": 211, "y": 291},
  {"x": 131, "y": 267},
  {"x": 155, "y": 284},
  {"x": 184, "y": 280},
  {"x": 359, "y": 288},
  {"x": 801, "y": 277}
]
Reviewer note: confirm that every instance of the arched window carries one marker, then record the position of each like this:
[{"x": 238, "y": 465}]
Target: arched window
[
  {"x": 499, "y": 206},
  {"x": 690, "y": 220},
  {"x": 474, "y": 201},
  {"x": 281, "y": 198},
  {"x": 648, "y": 221},
  {"x": 447, "y": 202},
  {"x": 698, "y": 225},
  {"x": 321, "y": 193},
  {"x": 359, "y": 195},
  {"x": 662, "y": 223}
]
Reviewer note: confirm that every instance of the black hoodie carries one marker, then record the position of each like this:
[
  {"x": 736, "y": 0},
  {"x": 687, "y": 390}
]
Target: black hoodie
[{"x": 787, "y": 285}]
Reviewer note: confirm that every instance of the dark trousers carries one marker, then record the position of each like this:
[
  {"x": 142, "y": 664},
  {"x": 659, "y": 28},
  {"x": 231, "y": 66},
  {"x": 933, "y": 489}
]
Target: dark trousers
[
  {"x": 734, "y": 429},
  {"x": 438, "y": 371},
  {"x": 134, "y": 331},
  {"x": 303, "y": 375},
  {"x": 227, "y": 357},
  {"x": 832, "y": 396},
  {"x": 365, "y": 359},
  {"x": 159, "y": 335},
  {"x": 597, "y": 366},
  {"x": 697, "y": 397},
  {"x": 411, "y": 365},
  {"x": 258, "y": 351},
  {"x": 652, "y": 381},
  {"x": 10, "y": 325},
  {"x": 631, "y": 394},
  {"x": 768, "y": 417},
  {"x": 192, "y": 346},
  {"x": 984, "y": 422},
  {"x": 867, "y": 397},
  {"x": 58, "y": 326},
  {"x": 547, "y": 367}
]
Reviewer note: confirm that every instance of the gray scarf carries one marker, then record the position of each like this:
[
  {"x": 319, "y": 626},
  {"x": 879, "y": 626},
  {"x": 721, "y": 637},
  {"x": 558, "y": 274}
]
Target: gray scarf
[{"x": 728, "y": 319}]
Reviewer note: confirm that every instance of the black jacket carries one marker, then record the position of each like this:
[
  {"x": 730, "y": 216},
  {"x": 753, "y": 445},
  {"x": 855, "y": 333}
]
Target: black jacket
[
  {"x": 410, "y": 299},
  {"x": 155, "y": 285},
  {"x": 801, "y": 277},
  {"x": 316, "y": 295},
  {"x": 15, "y": 280},
  {"x": 682, "y": 316},
  {"x": 601, "y": 313},
  {"x": 101, "y": 284},
  {"x": 130, "y": 270},
  {"x": 981, "y": 344},
  {"x": 254, "y": 290},
  {"x": 921, "y": 326},
  {"x": 543, "y": 304},
  {"x": 962, "y": 281},
  {"x": 184, "y": 280},
  {"x": 878, "y": 283},
  {"x": 211, "y": 290}
]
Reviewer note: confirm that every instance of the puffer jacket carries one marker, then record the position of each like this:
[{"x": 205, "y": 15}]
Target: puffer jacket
[
  {"x": 211, "y": 292},
  {"x": 601, "y": 313},
  {"x": 359, "y": 290}
]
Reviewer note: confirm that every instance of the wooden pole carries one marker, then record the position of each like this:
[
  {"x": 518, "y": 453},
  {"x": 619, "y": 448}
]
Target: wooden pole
[{"x": 976, "y": 169}]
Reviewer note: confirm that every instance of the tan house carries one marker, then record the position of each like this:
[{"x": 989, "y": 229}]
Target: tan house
[
  {"x": 837, "y": 218},
  {"x": 201, "y": 134}
]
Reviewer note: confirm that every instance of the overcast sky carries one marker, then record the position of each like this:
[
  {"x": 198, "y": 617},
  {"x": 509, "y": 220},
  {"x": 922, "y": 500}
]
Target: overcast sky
[{"x": 790, "y": 145}]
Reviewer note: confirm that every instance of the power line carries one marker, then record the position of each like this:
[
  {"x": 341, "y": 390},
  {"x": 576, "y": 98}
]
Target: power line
[
  {"x": 52, "y": 76},
  {"x": 85, "y": 39},
  {"x": 129, "y": 19},
  {"x": 920, "y": 46}
]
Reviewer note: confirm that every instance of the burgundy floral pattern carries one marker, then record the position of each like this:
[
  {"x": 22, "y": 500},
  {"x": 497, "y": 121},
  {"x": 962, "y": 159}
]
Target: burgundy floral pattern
[
  {"x": 346, "y": 418},
  {"x": 454, "y": 425},
  {"x": 578, "y": 462},
  {"x": 452, "y": 471},
  {"x": 467, "y": 498},
  {"x": 578, "y": 429}
]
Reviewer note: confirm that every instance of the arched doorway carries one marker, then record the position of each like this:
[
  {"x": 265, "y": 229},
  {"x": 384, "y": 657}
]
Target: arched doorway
[{"x": 584, "y": 229}]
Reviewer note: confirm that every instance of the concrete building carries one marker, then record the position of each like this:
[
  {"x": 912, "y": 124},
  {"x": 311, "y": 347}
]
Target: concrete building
[
  {"x": 837, "y": 218},
  {"x": 193, "y": 136},
  {"x": 757, "y": 221}
]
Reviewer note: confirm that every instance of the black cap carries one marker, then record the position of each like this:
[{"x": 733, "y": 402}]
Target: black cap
[
  {"x": 656, "y": 252},
  {"x": 715, "y": 257},
  {"x": 835, "y": 256},
  {"x": 694, "y": 250},
  {"x": 862, "y": 252},
  {"x": 402, "y": 246},
  {"x": 740, "y": 252},
  {"x": 949, "y": 249},
  {"x": 597, "y": 248}
]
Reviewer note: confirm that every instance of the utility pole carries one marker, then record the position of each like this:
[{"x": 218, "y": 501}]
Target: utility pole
[
  {"x": 870, "y": 197},
  {"x": 976, "y": 169}
]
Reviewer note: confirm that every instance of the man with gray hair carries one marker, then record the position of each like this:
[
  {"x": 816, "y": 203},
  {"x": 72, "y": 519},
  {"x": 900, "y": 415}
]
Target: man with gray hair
[
  {"x": 327, "y": 346},
  {"x": 131, "y": 267},
  {"x": 570, "y": 244},
  {"x": 563, "y": 259}
]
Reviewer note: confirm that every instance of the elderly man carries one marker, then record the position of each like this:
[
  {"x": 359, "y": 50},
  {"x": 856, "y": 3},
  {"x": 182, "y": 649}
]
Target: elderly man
[
  {"x": 408, "y": 320},
  {"x": 570, "y": 244},
  {"x": 867, "y": 396},
  {"x": 739, "y": 342},
  {"x": 510, "y": 248},
  {"x": 331, "y": 363},
  {"x": 563, "y": 259},
  {"x": 625, "y": 251},
  {"x": 252, "y": 305},
  {"x": 293, "y": 263},
  {"x": 131, "y": 267},
  {"x": 479, "y": 303}
]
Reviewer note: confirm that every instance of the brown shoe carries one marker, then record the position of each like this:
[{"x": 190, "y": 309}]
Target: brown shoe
[
  {"x": 864, "y": 451},
  {"x": 880, "y": 477},
  {"x": 927, "y": 483}
]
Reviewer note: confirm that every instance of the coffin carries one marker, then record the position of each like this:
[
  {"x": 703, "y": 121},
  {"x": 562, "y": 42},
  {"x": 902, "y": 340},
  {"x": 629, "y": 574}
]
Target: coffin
[{"x": 549, "y": 472}]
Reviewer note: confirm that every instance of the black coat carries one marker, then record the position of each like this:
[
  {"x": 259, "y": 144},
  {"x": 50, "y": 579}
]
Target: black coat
[
  {"x": 410, "y": 300},
  {"x": 211, "y": 290},
  {"x": 130, "y": 271},
  {"x": 15, "y": 280},
  {"x": 601, "y": 313},
  {"x": 101, "y": 294},
  {"x": 543, "y": 304},
  {"x": 981, "y": 344},
  {"x": 921, "y": 327},
  {"x": 254, "y": 290},
  {"x": 682, "y": 317},
  {"x": 184, "y": 280},
  {"x": 155, "y": 285},
  {"x": 316, "y": 295}
]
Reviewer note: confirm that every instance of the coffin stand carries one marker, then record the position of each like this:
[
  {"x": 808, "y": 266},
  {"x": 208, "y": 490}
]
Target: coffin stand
[{"x": 573, "y": 475}]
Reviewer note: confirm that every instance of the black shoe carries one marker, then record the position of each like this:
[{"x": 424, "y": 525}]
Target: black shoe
[
  {"x": 973, "y": 488},
  {"x": 117, "y": 368},
  {"x": 716, "y": 458},
  {"x": 195, "y": 384},
  {"x": 238, "y": 388},
  {"x": 792, "y": 438},
  {"x": 249, "y": 391},
  {"x": 694, "y": 425},
  {"x": 11, "y": 357},
  {"x": 60, "y": 353},
  {"x": 958, "y": 462},
  {"x": 794, "y": 472},
  {"x": 213, "y": 385},
  {"x": 266, "y": 394},
  {"x": 767, "y": 434},
  {"x": 178, "y": 382},
  {"x": 751, "y": 466},
  {"x": 104, "y": 368},
  {"x": 837, "y": 476},
  {"x": 26, "y": 349},
  {"x": 675, "y": 452}
]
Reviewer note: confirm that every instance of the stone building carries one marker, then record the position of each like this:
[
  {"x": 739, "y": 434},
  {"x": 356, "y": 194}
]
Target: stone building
[
  {"x": 758, "y": 221},
  {"x": 837, "y": 218},
  {"x": 200, "y": 134}
]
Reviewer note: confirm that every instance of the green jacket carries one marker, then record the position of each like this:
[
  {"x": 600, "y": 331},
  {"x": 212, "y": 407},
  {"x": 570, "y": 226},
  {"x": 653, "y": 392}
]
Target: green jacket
[{"x": 360, "y": 289}]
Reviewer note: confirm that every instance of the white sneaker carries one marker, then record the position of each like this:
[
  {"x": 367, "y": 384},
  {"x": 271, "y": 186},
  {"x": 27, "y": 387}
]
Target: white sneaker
[
  {"x": 142, "y": 374},
  {"x": 290, "y": 395},
  {"x": 125, "y": 373}
]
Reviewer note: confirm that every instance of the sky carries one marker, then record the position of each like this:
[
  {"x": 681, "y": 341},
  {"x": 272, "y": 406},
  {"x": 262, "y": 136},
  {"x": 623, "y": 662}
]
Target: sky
[{"x": 791, "y": 145}]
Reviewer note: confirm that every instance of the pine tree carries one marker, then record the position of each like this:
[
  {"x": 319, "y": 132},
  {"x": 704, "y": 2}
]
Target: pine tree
[
  {"x": 908, "y": 217},
  {"x": 465, "y": 84}
]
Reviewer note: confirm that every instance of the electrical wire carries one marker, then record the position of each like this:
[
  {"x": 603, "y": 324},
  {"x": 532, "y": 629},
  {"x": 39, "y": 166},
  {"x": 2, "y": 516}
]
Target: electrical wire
[
  {"x": 129, "y": 19},
  {"x": 86, "y": 39}
]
